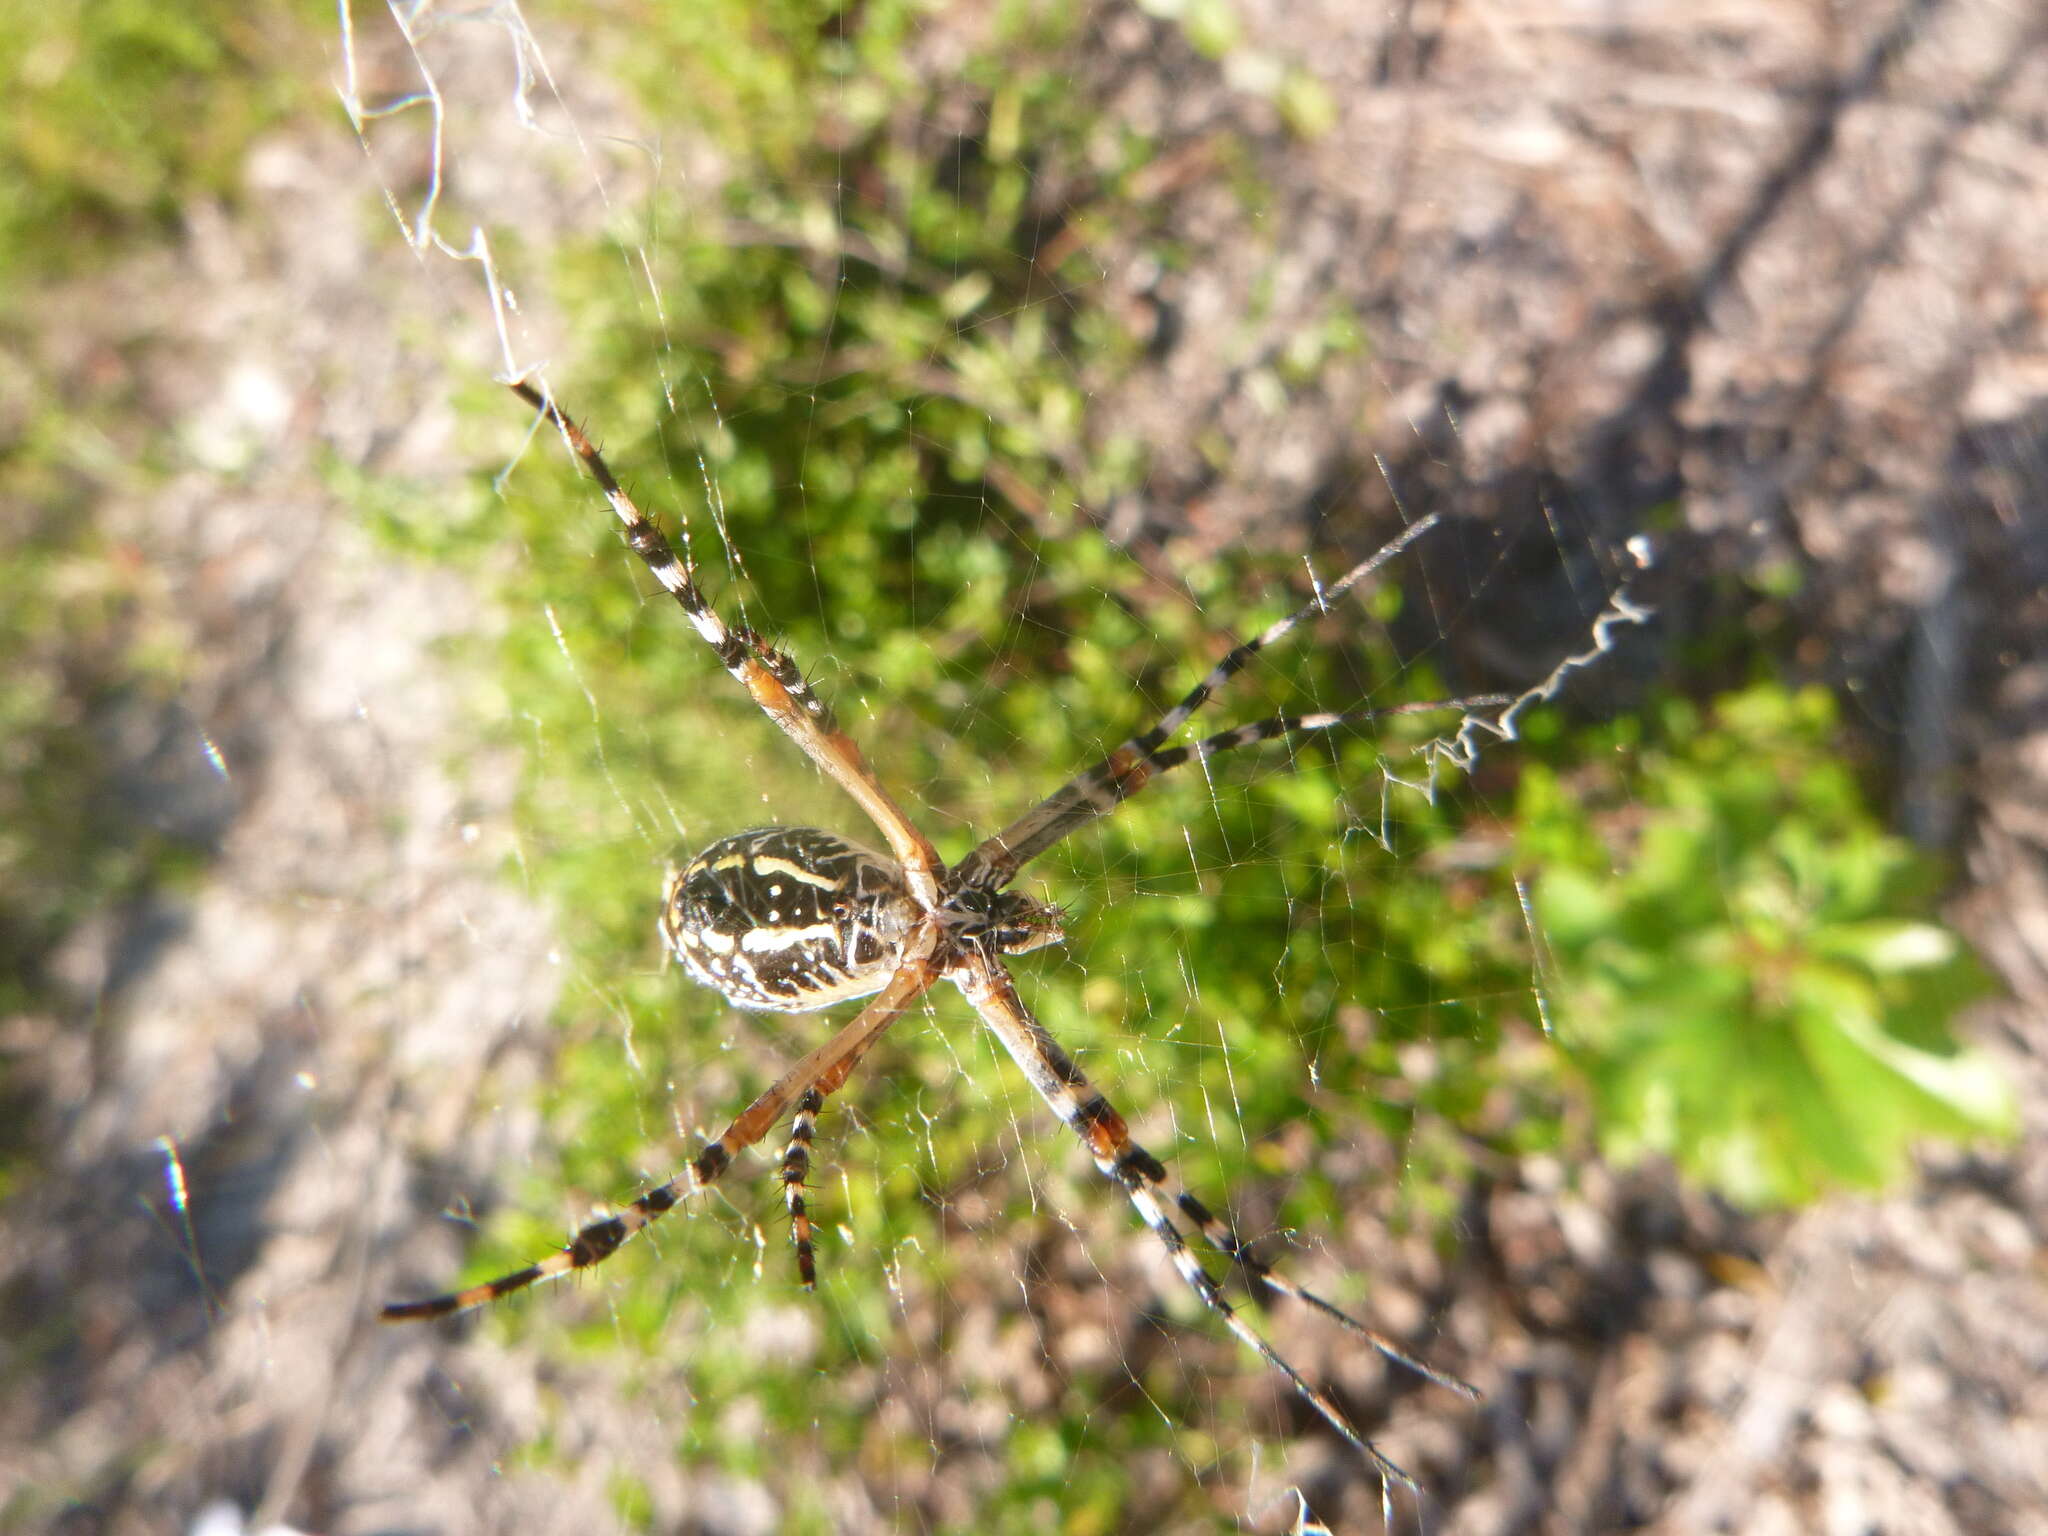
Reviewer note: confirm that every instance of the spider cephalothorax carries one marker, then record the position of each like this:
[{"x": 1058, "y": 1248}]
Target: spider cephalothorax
[
  {"x": 793, "y": 919},
  {"x": 1001, "y": 922}
]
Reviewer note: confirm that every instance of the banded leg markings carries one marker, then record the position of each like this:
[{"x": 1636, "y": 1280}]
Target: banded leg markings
[
  {"x": 796, "y": 1167},
  {"x": 771, "y": 678},
  {"x": 822, "y": 1069},
  {"x": 1143, "y": 1178}
]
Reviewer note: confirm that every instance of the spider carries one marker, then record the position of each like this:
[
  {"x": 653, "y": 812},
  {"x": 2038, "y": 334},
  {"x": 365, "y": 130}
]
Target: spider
[{"x": 794, "y": 919}]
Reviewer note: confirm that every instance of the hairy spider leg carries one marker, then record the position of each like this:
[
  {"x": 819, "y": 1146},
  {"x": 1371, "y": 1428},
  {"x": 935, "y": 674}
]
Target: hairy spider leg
[
  {"x": 772, "y": 679},
  {"x": 822, "y": 1071},
  {"x": 1099, "y": 790},
  {"x": 1144, "y": 1181},
  {"x": 1218, "y": 1234}
]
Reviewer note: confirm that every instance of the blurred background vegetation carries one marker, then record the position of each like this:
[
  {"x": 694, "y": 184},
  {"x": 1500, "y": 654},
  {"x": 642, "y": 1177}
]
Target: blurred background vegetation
[
  {"x": 101, "y": 153},
  {"x": 866, "y": 389}
]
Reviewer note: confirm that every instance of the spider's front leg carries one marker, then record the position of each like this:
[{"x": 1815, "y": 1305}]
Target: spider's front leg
[
  {"x": 1155, "y": 1194},
  {"x": 773, "y": 680}
]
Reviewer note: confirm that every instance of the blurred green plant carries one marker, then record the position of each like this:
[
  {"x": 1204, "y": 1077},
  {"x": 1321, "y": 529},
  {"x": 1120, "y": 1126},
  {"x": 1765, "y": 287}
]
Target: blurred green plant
[
  {"x": 120, "y": 115},
  {"x": 1216, "y": 30},
  {"x": 70, "y": 653},
  {"x": 1746, "y": 969},
  {"x": 76, "y": 655}
]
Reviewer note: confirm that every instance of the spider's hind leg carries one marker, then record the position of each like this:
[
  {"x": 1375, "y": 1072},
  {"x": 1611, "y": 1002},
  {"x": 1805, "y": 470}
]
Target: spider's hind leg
[
  {"x": 1166, "y": 1185},
  {"x": 796, "y": 1166},
  {"x": 1152, "y": 1193},
  {"x": 1145, "y": 1179}
]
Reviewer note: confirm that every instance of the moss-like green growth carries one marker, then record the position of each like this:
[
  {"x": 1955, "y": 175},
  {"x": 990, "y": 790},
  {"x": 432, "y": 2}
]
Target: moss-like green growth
[{"x": 120, "y": 114}]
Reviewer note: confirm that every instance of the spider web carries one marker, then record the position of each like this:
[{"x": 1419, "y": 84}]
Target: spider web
[{"x": 1005, "y": 458}]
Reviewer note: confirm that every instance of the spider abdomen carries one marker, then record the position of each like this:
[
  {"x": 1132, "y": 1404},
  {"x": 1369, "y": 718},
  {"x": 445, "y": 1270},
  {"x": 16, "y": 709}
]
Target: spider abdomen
[{"x": 788, "y": 918}]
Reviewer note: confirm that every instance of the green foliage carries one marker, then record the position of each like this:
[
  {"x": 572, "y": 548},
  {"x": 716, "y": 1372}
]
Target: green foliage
[
  {"x": 119, "y": 114},
  {"x": 1753, "y": 986},
  {"x": 63, "y": 651}
]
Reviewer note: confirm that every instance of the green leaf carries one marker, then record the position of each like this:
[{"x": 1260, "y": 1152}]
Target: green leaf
[{"x": 1746, "y": 969}]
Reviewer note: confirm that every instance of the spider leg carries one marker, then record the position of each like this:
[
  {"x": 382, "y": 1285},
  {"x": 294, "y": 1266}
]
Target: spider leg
[
  {"x": 1219, "y": 1236},
  {"x": 773, "y": 680},
  {"x": 1097, "y": 791},
  {"x": 1101, "y": 789},
  {"x": 796, "y": 1165},
  {"x": 821, "y": 1071},
  {"x": 796, "y": 1156},
  {"x": 1080, "y": 799},
  {"x": 1077, "y": 1102}
]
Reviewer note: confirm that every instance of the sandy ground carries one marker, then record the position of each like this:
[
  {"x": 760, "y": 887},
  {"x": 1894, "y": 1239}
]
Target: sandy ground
[{"x": 1780, "y": 265}]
